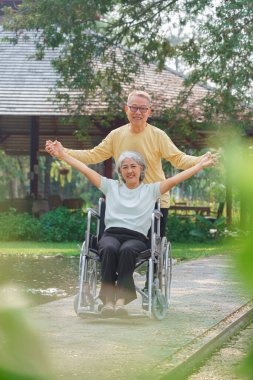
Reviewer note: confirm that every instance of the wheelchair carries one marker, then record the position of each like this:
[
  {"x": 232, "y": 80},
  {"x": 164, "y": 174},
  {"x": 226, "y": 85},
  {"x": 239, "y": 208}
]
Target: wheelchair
[{"x": 155, "y": 299}]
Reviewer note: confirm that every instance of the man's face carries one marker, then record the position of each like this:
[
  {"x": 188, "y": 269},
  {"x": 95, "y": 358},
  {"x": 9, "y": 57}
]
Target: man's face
[{"x": 138, "y": 111}]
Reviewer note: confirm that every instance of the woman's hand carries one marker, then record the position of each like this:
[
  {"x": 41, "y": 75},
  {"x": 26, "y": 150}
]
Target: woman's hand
[
  {"x": 54, "y": 148},
  {"x": 209, "y": 159}
]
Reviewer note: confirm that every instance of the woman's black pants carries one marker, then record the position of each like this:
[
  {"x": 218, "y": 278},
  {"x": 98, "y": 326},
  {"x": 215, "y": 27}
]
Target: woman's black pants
[{"x": 118, "y": 249}]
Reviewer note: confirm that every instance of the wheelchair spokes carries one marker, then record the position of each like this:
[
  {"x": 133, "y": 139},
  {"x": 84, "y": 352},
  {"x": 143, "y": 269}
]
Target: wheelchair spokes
[{"x": 165, "y": 269}]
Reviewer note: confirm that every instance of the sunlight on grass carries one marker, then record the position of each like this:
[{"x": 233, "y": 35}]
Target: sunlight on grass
[
  {"x": 179, "y": 250},
  {"x": 197, "y": 250},
  {"x": 39, "y": 248}
]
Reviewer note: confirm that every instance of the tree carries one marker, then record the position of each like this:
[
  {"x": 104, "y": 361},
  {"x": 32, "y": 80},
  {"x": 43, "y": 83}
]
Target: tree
[
  {"x": 13, "y": 176},
  {"x": 103, "y": 43}
]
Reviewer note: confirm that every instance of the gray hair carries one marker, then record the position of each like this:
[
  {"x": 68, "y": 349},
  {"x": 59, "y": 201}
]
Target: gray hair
[
  {"x": 137, "y": 157},
  {"x": 142, "y": 94}
]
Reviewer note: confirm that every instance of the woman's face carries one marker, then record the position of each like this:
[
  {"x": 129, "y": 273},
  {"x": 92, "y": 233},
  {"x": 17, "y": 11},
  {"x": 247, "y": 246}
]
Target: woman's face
[{"x": 130, "y": 172}]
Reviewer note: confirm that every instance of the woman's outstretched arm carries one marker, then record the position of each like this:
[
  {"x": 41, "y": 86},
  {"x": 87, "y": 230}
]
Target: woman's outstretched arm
[
  {"x": 59, "y": 152},
  {"x": 208, "y": 159}
]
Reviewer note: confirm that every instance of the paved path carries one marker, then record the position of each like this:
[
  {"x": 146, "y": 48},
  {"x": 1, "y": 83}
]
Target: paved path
[{"x": 204, "y": 291}]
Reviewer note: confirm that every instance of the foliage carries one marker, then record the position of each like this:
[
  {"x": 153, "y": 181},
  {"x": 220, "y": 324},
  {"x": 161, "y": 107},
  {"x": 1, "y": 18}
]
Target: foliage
[
  {"x": 205, "y": 229},
  {"x": 185, "y": 229},
  {"x": 217, "y": 44},
  {"x": 178, "y": 229},
  {"x": 13, "y": 175},
  {"x": 14, "y": 226},
  {"x": 91, "y": 196},
  {"x": 62, "y": 224},
  {"x": 60, "y": 171},
  {"x": 22, "y": 353},
  {"x": 239, "y": 163}
]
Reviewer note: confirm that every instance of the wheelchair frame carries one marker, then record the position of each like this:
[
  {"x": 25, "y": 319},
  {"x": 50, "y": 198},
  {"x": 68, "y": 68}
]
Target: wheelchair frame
[{"x": 159, "y": 257}]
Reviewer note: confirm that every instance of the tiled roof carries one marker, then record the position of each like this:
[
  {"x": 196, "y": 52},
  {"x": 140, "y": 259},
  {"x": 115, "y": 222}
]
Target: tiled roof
[
  {"x": 27, "y": 85},
  {"x": 27, "y": 90}
]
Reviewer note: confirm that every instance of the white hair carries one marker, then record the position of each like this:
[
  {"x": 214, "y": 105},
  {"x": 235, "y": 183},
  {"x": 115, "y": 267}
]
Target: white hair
[
  {"x": 142, "y": 94},
  {"x": 137, "y": 157}
]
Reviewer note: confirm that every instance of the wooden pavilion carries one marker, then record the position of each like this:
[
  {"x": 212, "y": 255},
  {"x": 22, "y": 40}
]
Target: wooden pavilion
[{"x": 29, "y": 114}]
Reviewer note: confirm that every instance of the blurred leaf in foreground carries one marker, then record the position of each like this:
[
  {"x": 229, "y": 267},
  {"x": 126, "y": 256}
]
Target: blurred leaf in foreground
[
  {"x": 22, "y": 355},
  {"x": 239, "y": 164}
]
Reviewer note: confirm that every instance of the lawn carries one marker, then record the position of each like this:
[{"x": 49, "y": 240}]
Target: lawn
[
  {"x": 39, "y": 248},
  {"x": 191, "y": 251},
  {"x": 182, "y": 251}
]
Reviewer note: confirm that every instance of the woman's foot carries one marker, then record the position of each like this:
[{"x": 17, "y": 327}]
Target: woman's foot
[
  {"x": 107, "y": 311},
  {"x": 121, "y": 311}
]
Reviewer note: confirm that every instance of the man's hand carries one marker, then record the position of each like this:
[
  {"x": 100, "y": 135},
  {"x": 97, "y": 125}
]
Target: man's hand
[
  {"x": 209, "y": 159},
  {"x": 54, "y": 148}
]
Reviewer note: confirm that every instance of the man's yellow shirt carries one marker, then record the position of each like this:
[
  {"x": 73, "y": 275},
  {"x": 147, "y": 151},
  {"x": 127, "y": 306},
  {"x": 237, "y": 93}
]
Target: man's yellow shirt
[{"x": 152, "y": 143}]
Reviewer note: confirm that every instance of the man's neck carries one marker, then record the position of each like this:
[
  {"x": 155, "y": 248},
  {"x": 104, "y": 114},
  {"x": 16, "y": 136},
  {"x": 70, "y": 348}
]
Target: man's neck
[{"x": 137, "y": 128}]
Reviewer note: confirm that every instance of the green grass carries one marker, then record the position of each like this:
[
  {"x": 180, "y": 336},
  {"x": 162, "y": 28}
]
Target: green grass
[
  {"x": 186, "y": 251},
  {"x": 39, "y": 248},
  {"x": 191, "y": 251}
]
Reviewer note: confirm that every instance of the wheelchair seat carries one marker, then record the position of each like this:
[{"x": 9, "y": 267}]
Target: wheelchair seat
[{"x": 156, "y": 299}]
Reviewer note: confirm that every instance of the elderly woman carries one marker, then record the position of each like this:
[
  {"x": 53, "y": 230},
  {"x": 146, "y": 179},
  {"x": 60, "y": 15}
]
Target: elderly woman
[{"x": 129, "y": 205}]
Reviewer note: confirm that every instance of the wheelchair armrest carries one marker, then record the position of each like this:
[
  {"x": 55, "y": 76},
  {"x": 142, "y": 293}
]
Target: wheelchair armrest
[
  {"x": 99, "y": 215},
  {"x": 157, "y": 214},
  {"x": 93, "y": 213}
]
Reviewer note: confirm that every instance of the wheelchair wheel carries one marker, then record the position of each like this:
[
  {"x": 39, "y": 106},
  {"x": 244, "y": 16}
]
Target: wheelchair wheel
[
  {"x": 165, "y": 269},
  {"x": 159, "y": 306},
  {"x": 87, "y": 285},
  {"x": 92, "y": 278},
  {"x": 76, "y": 299}
]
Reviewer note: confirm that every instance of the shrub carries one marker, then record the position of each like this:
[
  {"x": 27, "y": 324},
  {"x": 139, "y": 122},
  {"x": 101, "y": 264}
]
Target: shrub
[
  {"x": 62, "y": 224},
  {"x": 19, "y": 226},
  {"x": 178, "y": 229},
  {"x": 205, "y": 229},
  {"x": 186, "y": 229}
]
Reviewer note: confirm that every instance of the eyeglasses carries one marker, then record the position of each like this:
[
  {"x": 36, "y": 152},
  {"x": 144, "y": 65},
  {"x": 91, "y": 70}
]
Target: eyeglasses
[{"x": 135, "y": 109}]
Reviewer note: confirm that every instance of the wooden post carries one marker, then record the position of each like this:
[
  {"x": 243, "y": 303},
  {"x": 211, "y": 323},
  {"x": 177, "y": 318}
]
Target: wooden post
[
  {"x": 108, "y": 168},
  {"x": 34, "y": 150}
]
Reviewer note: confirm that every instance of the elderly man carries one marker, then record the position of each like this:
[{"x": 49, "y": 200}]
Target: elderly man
[{"x": 138, "y": 135}]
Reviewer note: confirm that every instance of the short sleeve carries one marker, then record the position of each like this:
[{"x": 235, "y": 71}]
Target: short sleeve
[
  {"x": 104, "y": 185},
  {"x": 157, "y": 191}
]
